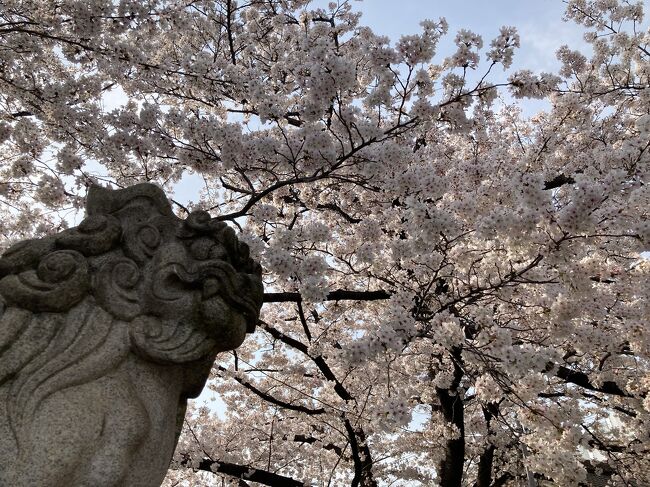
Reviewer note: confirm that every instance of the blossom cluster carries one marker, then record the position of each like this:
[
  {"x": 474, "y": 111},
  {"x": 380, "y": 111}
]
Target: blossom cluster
[{"x": 438, "y": 251}]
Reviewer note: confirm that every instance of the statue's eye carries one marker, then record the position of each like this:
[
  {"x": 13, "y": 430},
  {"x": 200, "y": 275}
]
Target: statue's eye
[
  {"x": 200, "y": 248},
  {"x": 217, "y": 251},
  {"x": 205, "y": 248}
]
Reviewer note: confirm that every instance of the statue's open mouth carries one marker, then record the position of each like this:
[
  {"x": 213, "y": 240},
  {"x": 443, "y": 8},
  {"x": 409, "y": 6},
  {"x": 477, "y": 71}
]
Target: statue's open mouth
[{"x": 214, "y": 278}]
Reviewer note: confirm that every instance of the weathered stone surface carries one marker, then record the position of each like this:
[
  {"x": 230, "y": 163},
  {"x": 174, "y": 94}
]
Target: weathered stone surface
[{"x": 106, "y": 330}]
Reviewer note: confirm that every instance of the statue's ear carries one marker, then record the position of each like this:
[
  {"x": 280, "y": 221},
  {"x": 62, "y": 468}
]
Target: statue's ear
[
  {"x": 60, "y": 280},
  {"x": 116, "y": 288},
  {"x": 95, "y": 235},
  {"x": 25, "y": 255}
]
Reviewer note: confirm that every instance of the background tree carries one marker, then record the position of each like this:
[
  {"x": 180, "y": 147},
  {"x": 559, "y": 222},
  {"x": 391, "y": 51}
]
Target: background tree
[{"x": 455, "y": 292}]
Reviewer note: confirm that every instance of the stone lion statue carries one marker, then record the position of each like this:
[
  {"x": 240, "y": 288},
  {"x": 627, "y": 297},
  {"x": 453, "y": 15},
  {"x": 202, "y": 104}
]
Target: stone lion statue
[{"x": 106, "y": 329}]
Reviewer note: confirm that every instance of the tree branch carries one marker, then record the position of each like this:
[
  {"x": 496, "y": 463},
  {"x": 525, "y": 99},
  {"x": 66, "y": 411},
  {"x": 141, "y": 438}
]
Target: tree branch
[
  {"x": 243, "y": 472},
  {"x": 274, "y": 400},
  {"x": 337, "y": 209},
  {"x": 559, "y": 180},
  {"x": 581, "y": 379},
  {"x": 231, "y": 43},
  {"x": 318, "y": 360},
  {"x": 311, "y": 439},
  {"x": 338, "y": 295}
]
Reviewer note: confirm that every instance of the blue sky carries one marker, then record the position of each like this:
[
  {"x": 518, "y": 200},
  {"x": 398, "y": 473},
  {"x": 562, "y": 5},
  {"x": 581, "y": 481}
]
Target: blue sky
[{"x": 539, "y": 23}]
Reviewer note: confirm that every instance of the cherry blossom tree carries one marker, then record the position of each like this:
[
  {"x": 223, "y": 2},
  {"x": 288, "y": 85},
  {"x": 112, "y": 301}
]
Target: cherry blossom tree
[{"x": 455, "y": 293}]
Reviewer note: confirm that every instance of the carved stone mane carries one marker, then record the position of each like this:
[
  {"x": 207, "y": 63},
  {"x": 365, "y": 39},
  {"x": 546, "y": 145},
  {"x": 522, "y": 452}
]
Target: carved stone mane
[{"x": 106, "y": 329}]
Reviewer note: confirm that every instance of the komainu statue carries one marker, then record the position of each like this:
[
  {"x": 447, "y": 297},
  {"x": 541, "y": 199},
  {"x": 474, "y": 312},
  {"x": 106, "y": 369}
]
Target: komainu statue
[{"x": 106, "y": 329}]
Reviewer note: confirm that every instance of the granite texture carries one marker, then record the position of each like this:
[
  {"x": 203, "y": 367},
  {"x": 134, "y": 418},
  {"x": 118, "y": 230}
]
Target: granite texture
[{"x": 106, "y": 329}]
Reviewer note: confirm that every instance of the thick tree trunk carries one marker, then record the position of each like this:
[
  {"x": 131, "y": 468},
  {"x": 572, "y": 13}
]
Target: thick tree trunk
[
  {"x": 450, "y": 470},
  {"x": 484, "y": 475},
  {"x": 361, "y": 456}
]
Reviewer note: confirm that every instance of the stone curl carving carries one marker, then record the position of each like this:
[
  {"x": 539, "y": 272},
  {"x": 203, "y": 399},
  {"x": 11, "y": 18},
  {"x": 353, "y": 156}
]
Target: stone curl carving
[{"x": 106, "y": 329}]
